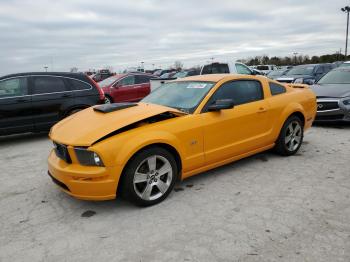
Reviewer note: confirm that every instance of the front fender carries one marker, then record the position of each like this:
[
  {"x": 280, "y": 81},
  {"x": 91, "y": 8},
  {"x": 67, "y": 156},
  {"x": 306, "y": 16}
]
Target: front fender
[
  {"x": 137, "y": 143},
  {"x": 117, "y": 150}
]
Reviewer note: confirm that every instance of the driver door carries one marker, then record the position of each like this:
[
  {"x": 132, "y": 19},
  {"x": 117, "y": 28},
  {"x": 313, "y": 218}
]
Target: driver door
[
  {"x": 125, "y": 90},
  {"x": 239, "y": 130}
]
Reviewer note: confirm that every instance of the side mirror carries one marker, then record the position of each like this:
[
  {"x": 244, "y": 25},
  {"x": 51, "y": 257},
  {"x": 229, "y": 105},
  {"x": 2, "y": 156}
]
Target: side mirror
[{"x": 221, "y": 104}]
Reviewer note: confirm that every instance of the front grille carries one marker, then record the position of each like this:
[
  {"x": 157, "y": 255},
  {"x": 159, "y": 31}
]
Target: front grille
[
  {"x": 62, "y": 152},
  {"x": 59, "y": 183},
  {"x": 330, "y": 117},
  {"x": 329, "y": 105}
]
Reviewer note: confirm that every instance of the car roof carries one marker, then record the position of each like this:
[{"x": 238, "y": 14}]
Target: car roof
[
  {"x": 66, "y": 74},
  {"x": 345, "y": 68},
  {"x": 218, "y": 77}
]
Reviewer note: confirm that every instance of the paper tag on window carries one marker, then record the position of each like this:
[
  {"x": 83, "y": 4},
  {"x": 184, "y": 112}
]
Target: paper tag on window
[{"x": 197, "y": 85}]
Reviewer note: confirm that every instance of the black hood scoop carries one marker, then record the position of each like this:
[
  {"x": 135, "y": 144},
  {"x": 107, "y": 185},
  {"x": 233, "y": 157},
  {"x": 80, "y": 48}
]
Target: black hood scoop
[{"x": 107, "y": 108}]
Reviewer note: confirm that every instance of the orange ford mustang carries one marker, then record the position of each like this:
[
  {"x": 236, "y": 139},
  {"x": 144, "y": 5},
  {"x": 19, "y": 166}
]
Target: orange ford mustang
[{"x": 183, "y": 128}]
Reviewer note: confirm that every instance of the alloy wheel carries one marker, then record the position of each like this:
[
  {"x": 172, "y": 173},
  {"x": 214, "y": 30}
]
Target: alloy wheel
[
  {"x": 107, "y": 100},
  {"x": 293, "y": 136},
  {"x": 153, "y": 177}
]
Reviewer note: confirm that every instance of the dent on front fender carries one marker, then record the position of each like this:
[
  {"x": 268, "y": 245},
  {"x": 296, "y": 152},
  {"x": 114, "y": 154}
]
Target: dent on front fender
[{"x": 118, "y": 149}]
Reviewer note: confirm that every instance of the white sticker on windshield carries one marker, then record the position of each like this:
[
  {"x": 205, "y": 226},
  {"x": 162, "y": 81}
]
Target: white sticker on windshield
[{"x": 197, "y": 85}]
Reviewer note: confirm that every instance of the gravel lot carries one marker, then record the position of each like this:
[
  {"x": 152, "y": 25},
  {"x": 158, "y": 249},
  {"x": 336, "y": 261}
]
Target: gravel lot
[{"x": 264, "y": 208}]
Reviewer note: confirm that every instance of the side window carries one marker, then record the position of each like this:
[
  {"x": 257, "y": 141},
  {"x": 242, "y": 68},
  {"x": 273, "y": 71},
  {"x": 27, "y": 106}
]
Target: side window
[
  {"x": 78, "y": 85},
  {"x": 241, "y": 92},
  {"x": 206, "y": 70},
  {"x": 223, "y": 69},
  {"x": 242, "y": 69},
  {"x": 140, "y": 79},
  {"x": 13, "y": 87},
  {"x": 129, "y": 80},
  {"x": 48, "y": 84},
  {"x": 320, "y": 70},
  {"x": 276, "y": 89}
]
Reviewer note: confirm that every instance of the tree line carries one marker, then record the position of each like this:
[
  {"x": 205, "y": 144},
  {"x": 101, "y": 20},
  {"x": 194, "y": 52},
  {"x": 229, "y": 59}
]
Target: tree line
[{"x": 293, "y": 60}]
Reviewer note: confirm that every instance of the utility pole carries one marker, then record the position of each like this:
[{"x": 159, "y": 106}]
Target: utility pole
[{"x": 346, "y": 10}]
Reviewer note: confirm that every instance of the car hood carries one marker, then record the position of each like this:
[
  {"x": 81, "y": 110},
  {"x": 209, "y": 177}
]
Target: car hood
[
  {"x": 332, "y": 90},
  {"x": 293, "y": 77},
  {"x": 88, "y": 126}
]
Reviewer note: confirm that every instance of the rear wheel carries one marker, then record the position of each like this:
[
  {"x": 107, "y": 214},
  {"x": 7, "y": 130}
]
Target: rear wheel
[
  {"x": 291, "y": 137},
  {"x": 149, "y": 177}
]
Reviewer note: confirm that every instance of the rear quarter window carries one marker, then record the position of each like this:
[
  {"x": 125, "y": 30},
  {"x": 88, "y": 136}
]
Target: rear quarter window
[
  {"x": 276, "y": 89},
  {"x": 78, "y": 85}
]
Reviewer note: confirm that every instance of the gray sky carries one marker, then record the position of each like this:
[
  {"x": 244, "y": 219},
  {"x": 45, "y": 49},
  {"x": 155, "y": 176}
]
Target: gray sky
[{"x": 93, "y": 34}]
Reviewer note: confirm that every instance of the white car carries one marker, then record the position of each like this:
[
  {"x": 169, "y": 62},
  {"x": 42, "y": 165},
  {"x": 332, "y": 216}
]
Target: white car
[{"x": 226, "y": 68}]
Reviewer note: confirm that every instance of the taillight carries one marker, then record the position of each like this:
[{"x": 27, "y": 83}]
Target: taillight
[{"x": 100, "y": 91}]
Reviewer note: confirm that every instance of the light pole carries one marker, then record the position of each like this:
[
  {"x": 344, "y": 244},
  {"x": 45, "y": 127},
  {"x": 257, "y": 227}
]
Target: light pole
[
  {"x": 295, "y": 58},
  {"x": 346, "y": 9}
]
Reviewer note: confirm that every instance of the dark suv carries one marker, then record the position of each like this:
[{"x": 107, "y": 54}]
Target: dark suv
[
  {"x": 306, "y": 74},
  {"x": 33, "y": 102}
]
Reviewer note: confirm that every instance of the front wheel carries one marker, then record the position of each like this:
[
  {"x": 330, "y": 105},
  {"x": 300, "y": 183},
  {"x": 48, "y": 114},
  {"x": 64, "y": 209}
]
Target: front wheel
[
  {"x": 149, "y": 177},
  {"x": 108, "y": 100},
  {"x": 291, "y": 137}
]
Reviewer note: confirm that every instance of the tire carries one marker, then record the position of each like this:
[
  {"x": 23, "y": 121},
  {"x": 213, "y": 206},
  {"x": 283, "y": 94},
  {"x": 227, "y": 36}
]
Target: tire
[
  {"x": 142, "y": 182},
  {"x": 108, "y": 100},
  {"x": 291, "y": 137}
]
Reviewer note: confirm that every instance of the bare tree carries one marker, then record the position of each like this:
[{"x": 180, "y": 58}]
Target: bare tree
[
  {"x": 74, "y": 70},
  {"x": 178, "y": 65}
]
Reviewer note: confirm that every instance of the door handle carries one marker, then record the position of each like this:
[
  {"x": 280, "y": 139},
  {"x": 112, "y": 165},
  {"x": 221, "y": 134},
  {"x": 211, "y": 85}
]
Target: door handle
[
  {"x": 262, "y": 110},
  {"x": 66, "y": 95}
]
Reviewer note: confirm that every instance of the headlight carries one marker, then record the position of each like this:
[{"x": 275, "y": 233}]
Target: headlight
[
  {"x": 346, "y": 101},
  {"x": 88, "y": 158},
  {"x": 299, "y": 81}
]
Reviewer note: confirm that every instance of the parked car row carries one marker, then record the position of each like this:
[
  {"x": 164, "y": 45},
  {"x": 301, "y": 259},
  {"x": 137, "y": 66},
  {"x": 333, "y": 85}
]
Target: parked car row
[{"x": 32, "y": 102}]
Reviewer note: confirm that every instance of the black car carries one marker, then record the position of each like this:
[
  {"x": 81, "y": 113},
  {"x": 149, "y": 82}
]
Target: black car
[
  {"x": 33, "y": 102},
  {"x": 333, "y": 96},
  {"x": 306, "y": 74}
]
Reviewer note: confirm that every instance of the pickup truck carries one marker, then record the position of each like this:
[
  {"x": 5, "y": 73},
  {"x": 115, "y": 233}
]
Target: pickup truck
[{"x": 226, "y": 68}]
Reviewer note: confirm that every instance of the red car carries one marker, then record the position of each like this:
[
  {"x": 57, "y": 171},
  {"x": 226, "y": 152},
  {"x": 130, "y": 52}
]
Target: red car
[{"x": 129, "y": 87}]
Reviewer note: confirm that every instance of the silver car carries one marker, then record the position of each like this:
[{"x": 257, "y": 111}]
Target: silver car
[{"x": 333, "y": 96}]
